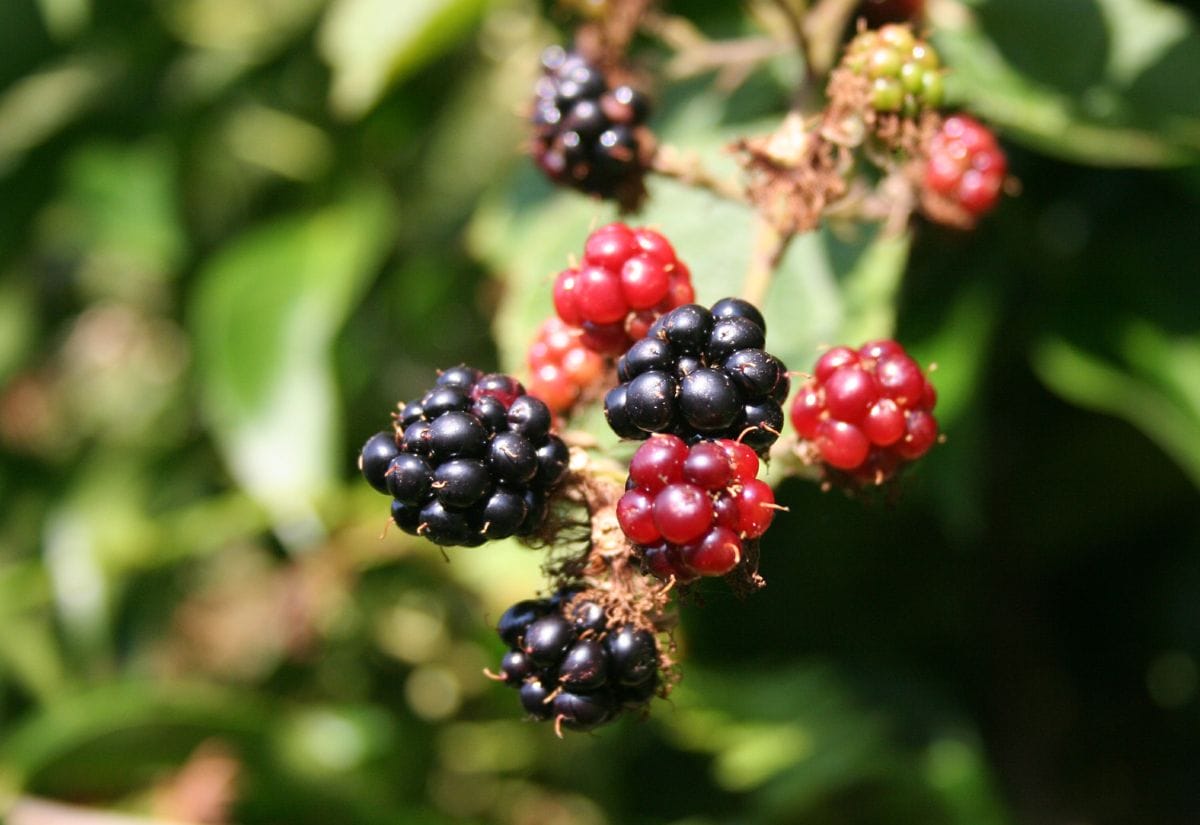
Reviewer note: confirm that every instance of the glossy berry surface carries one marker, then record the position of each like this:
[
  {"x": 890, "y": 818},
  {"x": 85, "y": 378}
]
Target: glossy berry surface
[
  {"x": 702, "y": 374},
  {"x": 573, "y": 663},
  {"x": 865, "y": 412},
  {"x": 588, "y": 134},
  {"x": 966, "y": 165},
  {"x": 903, "y": 72},
  {"x": 628, "y": 277},
  {"x": 471, "y": 460},
  {"x": 690, "y": 511}
]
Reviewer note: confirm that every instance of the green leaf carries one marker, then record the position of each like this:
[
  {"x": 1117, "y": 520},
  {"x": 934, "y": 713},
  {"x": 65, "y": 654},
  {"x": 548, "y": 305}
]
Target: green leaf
[
  {"x": 266, "y": 311},
  {"x": 1155, "y": 390},
  {"x": 371, "y": 44},
  {"x": 1096, "y": 83}
]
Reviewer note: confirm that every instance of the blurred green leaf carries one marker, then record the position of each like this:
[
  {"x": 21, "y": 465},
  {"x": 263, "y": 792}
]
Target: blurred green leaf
[
  {"x": 266, "y": 311},
  {"x": 371, "y": 44},
  {"x": 1070, "y": 82},
  {"x": 1155, "y": 390}
]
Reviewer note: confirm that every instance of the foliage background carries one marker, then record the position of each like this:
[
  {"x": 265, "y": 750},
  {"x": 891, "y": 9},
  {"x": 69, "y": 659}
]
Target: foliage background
[{"x": 234, "y": 232}]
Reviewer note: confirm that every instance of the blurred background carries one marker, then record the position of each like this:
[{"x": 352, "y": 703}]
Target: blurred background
[{"x": 233, "y": 233}]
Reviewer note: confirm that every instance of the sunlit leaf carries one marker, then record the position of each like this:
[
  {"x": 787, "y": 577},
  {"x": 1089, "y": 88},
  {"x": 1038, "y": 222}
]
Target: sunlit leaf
[{"x": 266, "y": 311}]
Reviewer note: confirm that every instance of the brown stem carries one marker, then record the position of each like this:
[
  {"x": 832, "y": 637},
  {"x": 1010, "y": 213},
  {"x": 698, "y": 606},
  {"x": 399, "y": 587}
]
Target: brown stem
[
  {"x": 770, "y": 244},
  {"x": 689, "y": 169},
  {"x": 823, "y": 27}
]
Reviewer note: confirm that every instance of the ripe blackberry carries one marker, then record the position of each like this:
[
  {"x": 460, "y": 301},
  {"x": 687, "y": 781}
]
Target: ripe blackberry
[
  {"x": 587, "y": 134},
  {"x": 574, "y": 663},
  {"x": 561, "y": 366},
  {"x": 866, "y": 412},
  {"x": 701, "y": 374},
  {"x": 471, "y": 460},
  {"x": 626, "y": 280},
  {"x": 903, "y": 72},
  {"x": 692, "y": 512},
  {"x": 964, "y": 170}
]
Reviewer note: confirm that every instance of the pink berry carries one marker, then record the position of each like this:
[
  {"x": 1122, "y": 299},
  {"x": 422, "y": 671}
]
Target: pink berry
[
  {"x": 708, "y": 466},
  {"x": 658, "y": 462},
  {"x": 682, "y": 513},
  {"x": 644, "y": 282},
  {"x": 842, "y": 445},
  {"x": 609, "y": 246},
  {"x": 849, "y": 393},
  {"x": 745, "y": 460},
  {"x": 966, "y": 165},
  {"x": 714, "y": 555},
  {"x": 635, "y": 513},
  {"x": 599, "y": 296},
  {"x": 566, "y": 287},
  {"x": 755, "y": 512}
]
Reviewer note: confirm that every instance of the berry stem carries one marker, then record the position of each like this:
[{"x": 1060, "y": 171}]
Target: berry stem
[
  {"x": 770, "y": 244},
  {"x": 689, "y": 169},
  {"x": 823, "y": 27}
]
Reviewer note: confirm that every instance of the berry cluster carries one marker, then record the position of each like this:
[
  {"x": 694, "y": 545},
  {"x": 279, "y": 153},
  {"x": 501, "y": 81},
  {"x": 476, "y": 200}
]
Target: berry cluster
[
  {"x": 699, "y": 374},
  {"x": 573, "y": 663},
  {"x": 903, "y": 70},
  {"x": 966, "y": 165},
  {"x": 867, "y": 412},
  {"x": 586, "y": 134},
  {"x": 560, "y": 366},
  {"x": 689, "y": 511},
  {"x": 472, "y": 460},
  {"x": 627, "y": 278}
]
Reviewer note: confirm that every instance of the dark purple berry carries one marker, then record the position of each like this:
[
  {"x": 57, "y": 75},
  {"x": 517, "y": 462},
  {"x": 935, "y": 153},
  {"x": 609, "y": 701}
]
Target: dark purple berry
[
  {"x": 650, "y": 402},
  {"x": 633, "y": 654},
  {"x": 376, "y": 455},
  {"x": 616, "y": 411},
  {"x": 553, "y": 458},
  {"x": 461, "y": 377},
  {"x": 687, "y": 327},
  {"x": 737, "y": 308},
  {"x": 530, "y": 417},
  {"x": 533, "y": 698},
  {"x": 406, "y": 516},
  {"x": 536, "y": 508},
  {"x": 456, "y": 433},
  {"x": 443, "y": 526},
  {"x": 585, "y": 666},
  {"x": 412, "y": 412},
  {"x": 730, "y": 335},
  {"x": 491, "y": 413},
  {"x": 517, "y": 618},
  {"x": 417, "y": 438},
  {"x": 516, "y": 667},
  {"x": 547, "y": 640},
  {"x": 707, "y": 400},
  {"x": 409, "y": 478},
  {"x": 583, "y": 711},
  {"x": 503, "y": 514},
  {"x": 441, "y": 400},
  {"x": 512, "y": 458},
  {"x": 755, "y": 373},
  {"x": 646, "y": 355},
  {"x": 460, "y": 482},
  {"x": 587, "y": 615}
]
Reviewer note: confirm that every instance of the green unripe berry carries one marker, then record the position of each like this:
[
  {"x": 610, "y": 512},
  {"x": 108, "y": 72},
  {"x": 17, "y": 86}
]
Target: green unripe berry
[
  {"x": 898, "y": 37},
  {"x": 932, "y": 89},
  {"x": 887, "y": 95},
  {"x": 911, "y": 76},
  {"x": 885, "y": 63},
  {"x": 924, "y": 56}
]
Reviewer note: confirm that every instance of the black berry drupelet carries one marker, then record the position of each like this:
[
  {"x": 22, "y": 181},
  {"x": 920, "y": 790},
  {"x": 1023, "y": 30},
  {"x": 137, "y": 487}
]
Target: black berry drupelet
[
  {"x": 701, "y": 374},
  {"x": 573, "y": 663},
  {"x": 586, "y": 134},
  {"x": 470, "y": 461}
]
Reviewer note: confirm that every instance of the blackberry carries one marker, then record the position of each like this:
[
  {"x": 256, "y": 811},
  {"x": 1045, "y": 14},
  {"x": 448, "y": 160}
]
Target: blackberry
[
  {"x": 701, "y": 374},
  {"x": 472, "y": 460},
  {"x": 865, "y": 413},
  {"x": 587, "y": 134},
  {"x": 574, "y": 663},
  {"x": 693, "y": 512}
]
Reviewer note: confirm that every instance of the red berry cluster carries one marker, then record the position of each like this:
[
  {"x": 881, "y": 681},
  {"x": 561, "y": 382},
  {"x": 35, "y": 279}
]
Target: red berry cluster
[
  {"x": 627, "y": 278},
  {"x": 867, "y": 412},
  {"x": 561, "y": 368},
  {"x": 690, "y": 511},
  {"x": 966, "y": 165}
]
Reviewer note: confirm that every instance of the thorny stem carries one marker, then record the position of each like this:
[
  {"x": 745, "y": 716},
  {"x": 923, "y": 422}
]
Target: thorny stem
[
  {"x": 770, "y": 244},
  {"x": 688, "y": 168}
]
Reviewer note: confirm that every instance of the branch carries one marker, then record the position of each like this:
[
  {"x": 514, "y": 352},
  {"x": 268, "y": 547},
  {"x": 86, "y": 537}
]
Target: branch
[
  {"x": 689, "y": 169},
  {"x": 769, "y": 247}
]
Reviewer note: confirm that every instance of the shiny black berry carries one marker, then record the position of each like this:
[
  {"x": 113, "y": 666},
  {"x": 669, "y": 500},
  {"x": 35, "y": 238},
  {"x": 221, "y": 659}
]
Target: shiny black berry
[
  {"x": 533, "y": 698},
  {"x": 530, "y": 417},
  {"x": 377, "y": 454},
  {"x": 512, "y": 459},
  {"x": 650, "y": 403},
  {"x": 686, "y": 328},
  {"x": 409, "y": 478},
  {"x": 553, "y": 458},
  {"x": 547, "y": 640},
  {"x": 583, "y": 711},
  {"x": 633, "y": 653},
  {"x": 517, "y": 618},
  {"x": 456, "y": 433},
  {"x": 503, "y": 514},
  {"x": 737, "y": 308},
  {"x": 460, "y": 482},
  {"x": 585, "y": 666},
  {"x": 708, "y": 401}
]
